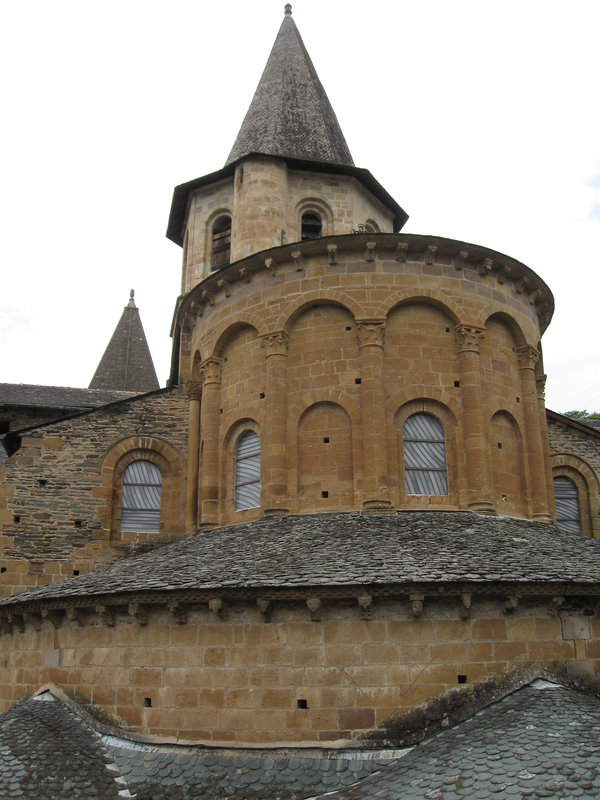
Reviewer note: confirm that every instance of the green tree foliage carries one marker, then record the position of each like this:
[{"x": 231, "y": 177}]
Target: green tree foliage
[{"x": 582, "y": 414}]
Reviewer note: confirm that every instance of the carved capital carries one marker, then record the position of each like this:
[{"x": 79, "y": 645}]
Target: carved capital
[
  {"x": 468, "y": 337},
  {"x": 194, "y": 389},
  {"x": 370, "y": 333},
  {"x": 211, "y": 371},
  {"x": 275, "y": 344},
  {"x": 528, "y": 357}
]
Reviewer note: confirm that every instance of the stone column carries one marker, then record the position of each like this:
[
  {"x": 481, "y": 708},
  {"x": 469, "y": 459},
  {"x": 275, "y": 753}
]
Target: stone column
[
  {"x": 528, "y": 357},
  {"x": 209, "y": 432},
  {"x": 375, "y": 468},
  {"x": 274, "y": 438},
  {"x": 540, "y": 382},
  {"x": 194, "y": 390},
  {"x": 474, "y": 429}
]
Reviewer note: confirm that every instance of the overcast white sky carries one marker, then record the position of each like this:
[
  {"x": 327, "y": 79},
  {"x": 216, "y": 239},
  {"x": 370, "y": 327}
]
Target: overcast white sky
[{"x": 482, "y": 118}]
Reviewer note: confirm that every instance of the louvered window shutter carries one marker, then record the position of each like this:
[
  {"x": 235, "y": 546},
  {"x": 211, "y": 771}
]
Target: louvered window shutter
[
  {"x": 247, "y": 471},
  {"x": 140, "y": 510},
  {"x": 568, "y": 514},
  {"x": 425, "y": 455}
]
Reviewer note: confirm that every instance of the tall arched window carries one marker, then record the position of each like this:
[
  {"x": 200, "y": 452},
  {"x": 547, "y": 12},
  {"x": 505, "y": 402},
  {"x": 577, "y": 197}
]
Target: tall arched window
[
  {"x": 247, "y": 471},
  {"x": 425, "y": 469},
  {"x": 221, "y": 242},
  {"x": 140, "y": 508},
  {"x": 568, "y": 513},
  {"x": 312, "y": 226}
]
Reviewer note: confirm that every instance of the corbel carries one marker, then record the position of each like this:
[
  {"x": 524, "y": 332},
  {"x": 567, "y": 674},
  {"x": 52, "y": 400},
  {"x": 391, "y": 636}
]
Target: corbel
[
  {"x": 365, "y": 603},
  {"x": 314, "y": 606},
  {"x": 139, "y": 612},
  {"x": 53, "y": 617},
  {"x": 217, "y": 607},
  {"x": 464, "y": 612},
  {"x": 401, "y": 251},
  {"x": 264, "y": 606},
  {"x": 245, "y": 274},
  {"x": 522, "y": 285},
  {"x": 271, "y": 266},
  {"x": 332, "y": 254},
  {"x": 511, "y": 602},
  {"x": 4, "y": 624},
  {"x": 178, "y": 611},
  {"x": 556, "y": 603},
  {"x": 504, "y": 272},
  {"x": 297, "y": 258},
  {"x": 208, "y": 297},
  {"x": 429, "y": 255},
  {"x": 16, "y": 621},
  {"x": 485, "y": 266},
  {"x": 106, "y": 614},
  {"x": 72, "y": 614},
  {"x": 416, "y": 604},
  {"x": 460, "y": 259},
  {"x": 534, "y": 296},
  {"x": 225, "y": 285},
  {"x": 370, "y": 251},
  {"x": 33, "y": 619}
]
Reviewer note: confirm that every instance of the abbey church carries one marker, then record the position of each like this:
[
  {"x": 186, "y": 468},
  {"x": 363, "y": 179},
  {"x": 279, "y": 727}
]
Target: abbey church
[{"x": 348, "y": 501}]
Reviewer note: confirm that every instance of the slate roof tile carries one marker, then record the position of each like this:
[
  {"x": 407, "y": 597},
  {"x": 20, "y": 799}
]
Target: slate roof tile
[{"x": 337, "y": 550}]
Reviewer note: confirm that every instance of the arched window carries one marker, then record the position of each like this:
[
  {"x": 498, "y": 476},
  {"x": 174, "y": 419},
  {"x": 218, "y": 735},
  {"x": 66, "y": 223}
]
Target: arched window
[
  {"x": 312, "y": 226},
  {"x": 568, "y": 513},
  {"x": 221, "y": 243},
  {"x": 140, "y": 508},
  {"x": 424, "y": 455},
  {"x": 247, "y": 471}
]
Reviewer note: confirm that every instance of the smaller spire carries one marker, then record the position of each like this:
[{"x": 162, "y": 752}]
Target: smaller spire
[
  {"x": 288, "y": 9},
  {"x": 131, "y": 303}
]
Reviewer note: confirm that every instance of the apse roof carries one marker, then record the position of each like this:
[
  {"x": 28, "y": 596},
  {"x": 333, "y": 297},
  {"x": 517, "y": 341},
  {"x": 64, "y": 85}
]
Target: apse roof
[
  {"x": 127, "y": 363},
  {"x": 290, "y": 114},
  {"x": 539, "y": 741},
  {"x": 351, "y": 549}
]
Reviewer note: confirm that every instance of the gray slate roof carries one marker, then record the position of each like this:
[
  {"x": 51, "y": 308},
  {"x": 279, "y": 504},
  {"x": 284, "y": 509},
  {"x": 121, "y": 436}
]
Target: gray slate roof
[
  {"x": 127, "y": 364},
  {"x": 290, "y": 114},
  {"x": 541, "y": 741},
  {"x": 59, "y": 397},
  {"x": 322, "y": 550},
  {"x": 49, "y": 753}
]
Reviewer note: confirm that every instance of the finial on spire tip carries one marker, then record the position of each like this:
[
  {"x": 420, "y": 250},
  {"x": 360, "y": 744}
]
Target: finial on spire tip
[
  {"x": 288, "y": 9},
  {"x": 131, "y": 294}
]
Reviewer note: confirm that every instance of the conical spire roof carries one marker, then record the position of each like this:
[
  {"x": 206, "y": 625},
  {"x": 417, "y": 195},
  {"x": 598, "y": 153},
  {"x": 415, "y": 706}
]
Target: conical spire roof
[
  {"x": 127, "y": 364},
  {"x": 290, "y": 115}
]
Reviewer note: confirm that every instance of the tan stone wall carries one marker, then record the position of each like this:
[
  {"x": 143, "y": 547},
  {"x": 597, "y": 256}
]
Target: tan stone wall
[
  {"x": 266, "y": 201},
  {"x": 60, "y": 496},
  {"x": 241, "y": 679},
  {"x": 375, "y": 336}
]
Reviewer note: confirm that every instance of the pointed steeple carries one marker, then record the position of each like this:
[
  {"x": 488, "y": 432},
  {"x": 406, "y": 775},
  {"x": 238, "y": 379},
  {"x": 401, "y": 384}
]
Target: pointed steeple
[
  {"x": 290, "y": 115},
  {"x": 127, "y": 364}
]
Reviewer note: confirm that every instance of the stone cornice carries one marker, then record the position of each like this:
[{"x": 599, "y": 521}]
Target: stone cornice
[
  {"x": 481, "y": 262},
  {"x": 140, "y": 605}
]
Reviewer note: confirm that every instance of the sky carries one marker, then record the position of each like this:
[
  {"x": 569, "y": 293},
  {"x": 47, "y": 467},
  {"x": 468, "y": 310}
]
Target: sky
[{"x": 482, "y": 119}]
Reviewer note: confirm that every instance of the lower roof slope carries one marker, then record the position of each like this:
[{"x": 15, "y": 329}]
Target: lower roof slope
[
  {"x": 539, "y": 741},
  {"x": 346, "y": 550}
]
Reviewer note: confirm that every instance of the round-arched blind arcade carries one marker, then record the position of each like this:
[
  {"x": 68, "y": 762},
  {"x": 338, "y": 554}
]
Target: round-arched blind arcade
[
  {"x": 247, "y": 471},
  {"x": 568, "y": 513},
  {"x": 140, "y": 509},
  {"x": 424, "y": 455}
]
